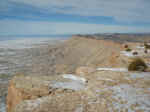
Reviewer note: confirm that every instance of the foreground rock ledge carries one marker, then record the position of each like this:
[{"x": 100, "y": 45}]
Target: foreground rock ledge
[{"x": 104, "y": 91}]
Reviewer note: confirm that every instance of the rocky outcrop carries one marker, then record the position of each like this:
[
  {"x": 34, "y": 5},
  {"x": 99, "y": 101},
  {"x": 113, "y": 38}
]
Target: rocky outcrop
[
  {"x": 31, "y": 87},
  {"x": 99, "y": 91}
]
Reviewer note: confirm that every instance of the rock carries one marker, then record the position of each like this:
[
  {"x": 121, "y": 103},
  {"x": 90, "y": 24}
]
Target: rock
[
  {"x": 84, "y": 70},
  {"x": 105, "y": 91},
  {"x": 31, "y": 87}
]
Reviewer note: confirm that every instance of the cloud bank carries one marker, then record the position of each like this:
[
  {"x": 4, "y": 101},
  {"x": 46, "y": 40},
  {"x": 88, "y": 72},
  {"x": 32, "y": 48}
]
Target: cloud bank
[
  {"x": 121, "y": 10},
  {"x": 73, "y": 16}
]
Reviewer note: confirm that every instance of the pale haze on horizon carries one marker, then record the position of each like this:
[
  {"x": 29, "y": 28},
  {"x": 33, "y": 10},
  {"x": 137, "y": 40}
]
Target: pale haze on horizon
[{"x": 52, "y": 17}]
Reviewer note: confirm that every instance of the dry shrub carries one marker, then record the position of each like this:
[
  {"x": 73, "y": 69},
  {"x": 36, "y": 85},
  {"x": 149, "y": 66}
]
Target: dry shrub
[
  {"x": 137, "y": 65},
  {"x": 135, "y": 53},
  {"x": 126, "y": 46},
  {"x": 147, "y": 46},
  {"x": 145, "y": 51}
]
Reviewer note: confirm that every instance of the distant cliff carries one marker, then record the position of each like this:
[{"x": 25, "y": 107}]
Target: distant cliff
[{"x": 120, "y": 37}]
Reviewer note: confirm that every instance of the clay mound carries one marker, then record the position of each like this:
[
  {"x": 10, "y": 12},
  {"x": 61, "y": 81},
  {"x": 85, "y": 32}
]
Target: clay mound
[{"x": 78, "y": 51}]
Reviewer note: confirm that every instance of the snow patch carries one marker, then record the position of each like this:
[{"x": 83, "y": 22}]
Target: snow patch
[
  {"x": 145, "y": 75},
  {"x": 73, "y": 85},
  {"x": 148, "y": 64},
  {"x": 128, "y": 54},
  {"x": 73, "y": 77},
  {"x": 140, "y": 47},
  {"x": 132, "y": 96},
  {"x": 104, "y": 79},
  {"x": 22, "y": 43},
  {"x": 79, "y": 109},
  {"x": 2, "y": 107},
  {"x": 32, "y": 104},
  {"x": 113, "y": 69}
]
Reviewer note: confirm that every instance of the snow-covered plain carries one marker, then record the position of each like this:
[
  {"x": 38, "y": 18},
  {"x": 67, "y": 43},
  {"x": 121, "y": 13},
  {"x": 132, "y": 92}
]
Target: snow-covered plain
[
  {"x": 16, "y": 54},
  {"x": 21, "y": 43}
]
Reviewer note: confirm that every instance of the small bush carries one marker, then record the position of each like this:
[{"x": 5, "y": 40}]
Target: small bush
[
  {"x": 145, "y": 51},
  {"x": 128, "y": 49},
  {"x": 126, "y": 46},
  {"x": 146, "y": 46},
  {"x": 135, "y": 53},
  {"x": 137, "y": 65}
]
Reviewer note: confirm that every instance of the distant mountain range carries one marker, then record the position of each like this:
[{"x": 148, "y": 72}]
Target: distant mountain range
[{"x": 120, "y": 37}]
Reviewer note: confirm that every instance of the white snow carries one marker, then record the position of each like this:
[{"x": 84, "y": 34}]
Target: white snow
[
  {"x": 148, "y": 64},
  {"x": 79, "y": 109},
  {"x": 73, "y": 77},
  {"x": 140, "y": 47},
  {"x": 145, "y": 75},
  {"x": 133, "y": 96},
  {"x": 113, "y": 69},
  {"x": 2, "y": 107},
  {"x": 23, "y": 43},
  {"x": 130, "y": 54},
  {"x": 104, "y": 79},
  {"x": 6, "y": 53},
  {"x": 32, "y": 104},
  {"x": 73, "y": 85},
  {"x": 126, "y": 53}
]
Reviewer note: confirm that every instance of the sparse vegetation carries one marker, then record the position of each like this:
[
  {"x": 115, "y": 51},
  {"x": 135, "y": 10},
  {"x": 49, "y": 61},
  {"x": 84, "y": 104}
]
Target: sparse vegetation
[
  {"x": 128, "y": 49},
  {"x": 137, "y": 65},
  {"x": 4, "y": 76}
]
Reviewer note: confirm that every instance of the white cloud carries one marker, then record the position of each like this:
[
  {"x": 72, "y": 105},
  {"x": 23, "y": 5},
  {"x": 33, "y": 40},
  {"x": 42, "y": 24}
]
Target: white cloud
[
  {"x": 15, "y": 27},
  {"x": 121, "y": 10}
]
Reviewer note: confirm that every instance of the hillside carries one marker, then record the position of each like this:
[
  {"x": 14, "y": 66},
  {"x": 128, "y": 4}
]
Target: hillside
[
  {"x": 93, "y": 77},
  {"x": 78, "y": 51}
]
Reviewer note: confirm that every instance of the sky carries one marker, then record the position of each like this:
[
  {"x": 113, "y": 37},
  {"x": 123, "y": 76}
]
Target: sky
[{"x": 55, "y": 17}]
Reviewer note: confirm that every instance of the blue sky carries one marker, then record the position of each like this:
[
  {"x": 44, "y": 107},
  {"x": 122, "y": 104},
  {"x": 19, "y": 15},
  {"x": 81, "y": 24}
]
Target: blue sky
[{"x": 48, "y": 17}]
